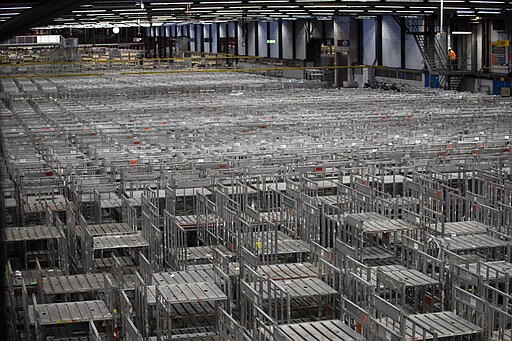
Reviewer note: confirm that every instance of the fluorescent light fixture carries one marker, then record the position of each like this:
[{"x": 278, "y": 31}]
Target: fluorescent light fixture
[
  {"x": 461, "y": 32},
  {"x": 14, "y": 8},
  {"x": 90, "y": 11}
]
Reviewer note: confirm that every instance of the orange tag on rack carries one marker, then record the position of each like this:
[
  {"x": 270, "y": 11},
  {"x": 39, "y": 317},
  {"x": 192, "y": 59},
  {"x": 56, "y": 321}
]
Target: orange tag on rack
[
  {"x": 449, "y": 146},
  {"x": 245, "y": 130},
  {"x": 164, "y": 122},
  {"x": 146, "y": 128},
  {"x": 48, "y": 174},
  {"x": 223, "y": 166},
  {"x": 133, "y": 162},
  {"x": 480, "y": 145},
  {"x": 319, "y": 169},
  {"x": 506, "y": 150},
  {"x": 263, "y": 126},
  {"x": 136, "y": 142},
  {"x": 442, "y": 154},
  {"x": 131, "y": 120},
  {"x": 408, "y": 116},
  {"x": 46, "y": 129}
]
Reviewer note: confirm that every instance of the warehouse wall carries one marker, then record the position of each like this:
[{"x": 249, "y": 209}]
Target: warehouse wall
[
  {"x": 287, "y": 39},
  {"x": 390, "y": 42},
  {"x": 300, "y": 39},
  {"x": 241, "y": 41},
  {"x": 192, "y": 38},
  {"x": 329, "y": 29},
  {"x": 251, "y": 33},
  {"x": 215, "y": 34},
  {"x": 206, "y": 35},
  {"x": 369, "y": 54},
  {"x": 294, "y": 35},
  {"x": 413, "y": 55},
  {"x": 262, "y": 39},
  {"x": 317, "y": 29},
  {"x": 223, "y": 33},
  {"x": 274, "y": 34},
  {"x": 199, "y": 38},
  {"x": 231, "y": 29}
]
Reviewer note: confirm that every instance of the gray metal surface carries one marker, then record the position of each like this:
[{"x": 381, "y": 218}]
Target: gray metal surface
[
  {"x": 443, "y": 324},
  {"x": 289, "y": 271},
  {"x": 408, "y": 277},
  {"x": 134, "y": 240},
  {"x": 190, "y": 292},
  {"x": 181, "y": 277},
  {"x": 333, "y": 330},
  {"x": 70, "y": 312},
  {"x": 18, "y": 234},
  {"x": 464, "y": 228},
  {"x": 76, "y": 284},
  {"x": 109, "y": 229},
  {"x": 302, "y": 287},
  {"x": 474, "y": 242}
]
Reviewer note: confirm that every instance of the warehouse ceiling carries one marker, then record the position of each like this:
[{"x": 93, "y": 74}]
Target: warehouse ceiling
[{"x": 19, "y": 14}]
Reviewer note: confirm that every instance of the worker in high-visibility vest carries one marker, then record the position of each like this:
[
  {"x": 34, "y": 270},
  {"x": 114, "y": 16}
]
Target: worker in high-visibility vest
[{"x": 452, "y": 59}]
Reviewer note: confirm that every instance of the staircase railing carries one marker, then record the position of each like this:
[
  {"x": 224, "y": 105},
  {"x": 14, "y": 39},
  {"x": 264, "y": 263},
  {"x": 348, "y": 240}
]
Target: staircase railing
[{"x": 434, "y": 57}]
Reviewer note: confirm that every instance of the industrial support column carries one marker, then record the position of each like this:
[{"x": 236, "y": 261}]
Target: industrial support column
[
  {"x": 346, "y": 42},
  {"x": 378, "y": 40},
  {"x": 474, "y": 48},
  {"x": 256, "y": 39},
  {"x": 210, "y": 38},
  {"x": 280, "y": 37}
]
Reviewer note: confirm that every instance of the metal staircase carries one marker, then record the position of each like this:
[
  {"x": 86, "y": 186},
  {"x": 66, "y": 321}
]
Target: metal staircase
[{"x": 433, "y": 50}]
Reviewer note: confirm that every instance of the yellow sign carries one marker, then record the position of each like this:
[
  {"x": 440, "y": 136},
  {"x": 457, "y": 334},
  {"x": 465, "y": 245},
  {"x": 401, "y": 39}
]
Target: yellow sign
[{"x": 503, "y": 43}]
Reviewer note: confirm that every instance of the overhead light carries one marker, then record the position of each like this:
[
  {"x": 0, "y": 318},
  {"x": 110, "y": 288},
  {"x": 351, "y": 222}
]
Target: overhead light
[
  {"x": 14, "y": 8},
  {"x": 90, "y": 11},
  {"x": 115, "y": 30},
  {"x": 461, "y": 32}
]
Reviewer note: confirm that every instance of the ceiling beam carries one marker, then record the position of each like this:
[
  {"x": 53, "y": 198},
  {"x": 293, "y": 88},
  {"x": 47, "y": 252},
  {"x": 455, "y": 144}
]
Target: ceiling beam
[{"x": 40, "y": 14}]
